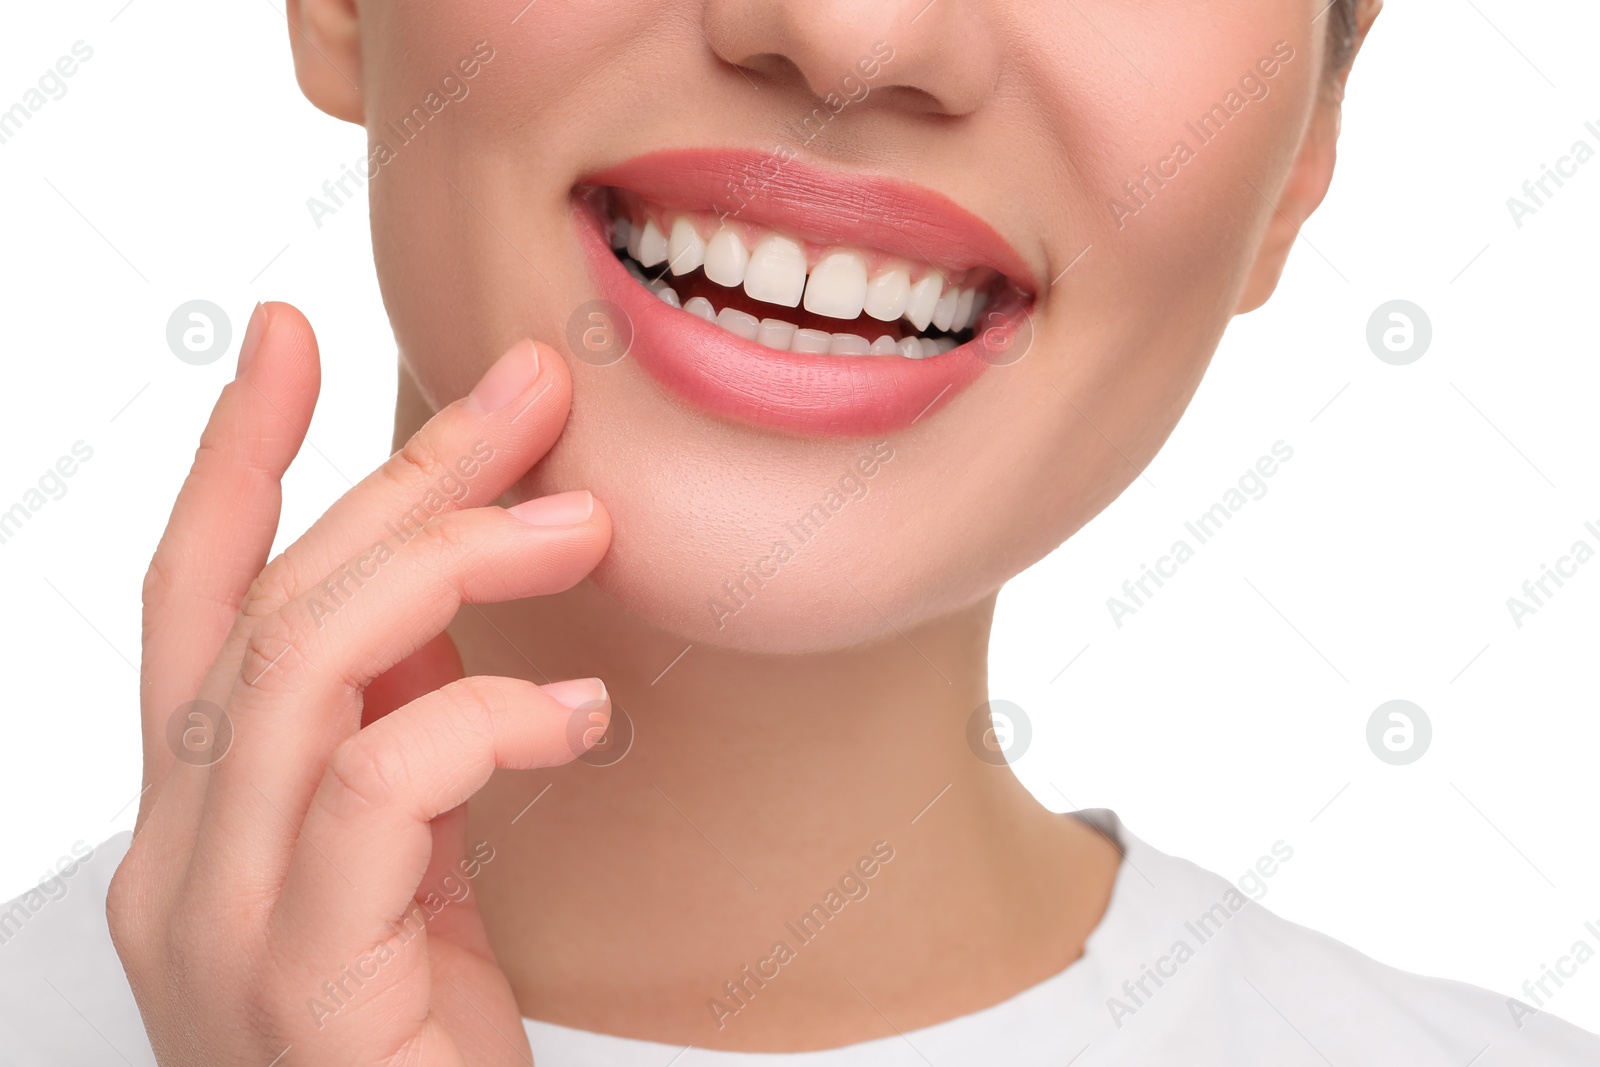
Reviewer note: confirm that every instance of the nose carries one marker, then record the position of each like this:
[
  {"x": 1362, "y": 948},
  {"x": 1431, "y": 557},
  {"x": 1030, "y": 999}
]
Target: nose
[{"x": 939, "y": 57}]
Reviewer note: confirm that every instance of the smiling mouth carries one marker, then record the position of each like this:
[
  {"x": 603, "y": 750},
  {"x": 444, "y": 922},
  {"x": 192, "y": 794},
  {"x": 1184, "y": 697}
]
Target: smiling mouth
[
  {"x": 789, "y": 294},
  {"x": 794, "y": 297}
]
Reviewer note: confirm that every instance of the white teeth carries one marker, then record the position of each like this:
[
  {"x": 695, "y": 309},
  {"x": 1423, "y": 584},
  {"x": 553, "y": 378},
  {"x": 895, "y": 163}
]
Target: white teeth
[
  {"x": 726, "y": 258},
  {"x": 838, "y": 285},
  {"x": 785, "y": 337},
  {"x": 652, "y": 245},
  {"x": 774, "y": 272},
  {"x": 924, "y": 296},
  {"x": 848, "y": 344},
  {"x": 812, "y": 341},
  {"x": 944, "y": 311},
  {"x": 775, "y": 333},
  {"x": 739, "y": 323},
  {"x": 888, "y": 293},
  {"x": 777, "y": 271},
  {"x": 686, "y": 249},
  {"x": 963, "y": 315}
]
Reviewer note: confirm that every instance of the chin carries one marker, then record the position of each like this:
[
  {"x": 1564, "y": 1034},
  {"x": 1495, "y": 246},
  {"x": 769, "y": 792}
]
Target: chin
[
  {"x": 804, "y": 609},
  {"x": 765, "y": 546}
]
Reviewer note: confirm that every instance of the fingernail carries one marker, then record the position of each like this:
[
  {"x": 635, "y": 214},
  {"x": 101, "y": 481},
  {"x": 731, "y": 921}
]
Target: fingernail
[
  {"x": 252, "y": 339},
  {"x": 558, "y": 509},
  {"x": 577, "y": 692},
  {"x": 512, "y": 375}
]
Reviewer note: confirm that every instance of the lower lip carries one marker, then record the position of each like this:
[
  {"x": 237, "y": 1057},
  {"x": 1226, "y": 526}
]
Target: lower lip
[{"x": 800, "y": 393}]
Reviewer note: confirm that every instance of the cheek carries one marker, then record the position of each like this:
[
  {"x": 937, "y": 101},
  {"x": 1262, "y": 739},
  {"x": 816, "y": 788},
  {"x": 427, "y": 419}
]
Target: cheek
[
  {"x": 1174, "y": 179},
  {"x": 1180, "y": 193},
  {"x": 470, "y": 232}
]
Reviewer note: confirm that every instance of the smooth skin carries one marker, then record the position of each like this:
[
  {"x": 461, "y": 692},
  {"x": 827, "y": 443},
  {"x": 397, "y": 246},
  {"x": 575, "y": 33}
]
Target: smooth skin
[
  {"x": 229, "y": 911},
  {"x": 475, "y": 245},
  {"x": 768, "y": 758}
]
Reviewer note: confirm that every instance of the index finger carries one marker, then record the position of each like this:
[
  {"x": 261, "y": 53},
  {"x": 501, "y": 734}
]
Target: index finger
[
  {"x": 224, "y": 519},
  {"x": 466, "y": 456}
]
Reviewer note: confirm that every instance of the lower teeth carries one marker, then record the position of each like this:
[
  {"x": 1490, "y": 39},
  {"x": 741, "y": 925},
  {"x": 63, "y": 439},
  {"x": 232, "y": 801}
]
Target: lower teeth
[{"x": 784, "y": 336}]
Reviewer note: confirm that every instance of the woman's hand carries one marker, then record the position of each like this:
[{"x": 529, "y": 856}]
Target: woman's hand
[{"x": 294, "y": 890}]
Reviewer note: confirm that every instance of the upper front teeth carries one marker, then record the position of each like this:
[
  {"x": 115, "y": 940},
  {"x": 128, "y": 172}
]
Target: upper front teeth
[
  {"x": 686, "y": 249},
  {"x": 726, "y": 258},
  {"x": 837, "y": 283},
  {"x": 776, "y": 273},
  {"x": 888, "y": 294}
]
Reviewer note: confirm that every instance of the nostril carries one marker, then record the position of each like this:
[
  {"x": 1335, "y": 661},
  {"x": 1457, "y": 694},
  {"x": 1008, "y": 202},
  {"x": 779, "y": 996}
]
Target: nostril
[
  {"x": 909, "y": 99},
  {"x": 773, "y": 68}
]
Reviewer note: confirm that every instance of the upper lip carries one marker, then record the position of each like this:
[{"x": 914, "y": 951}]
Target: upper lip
[{"x": 826, "y": 207}]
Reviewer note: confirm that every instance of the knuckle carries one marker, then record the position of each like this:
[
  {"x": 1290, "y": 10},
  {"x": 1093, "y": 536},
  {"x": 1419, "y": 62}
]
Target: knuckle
[
  {"x": 474, "y": 709},
  {"x": 124, "y": 917},
  {"x": 220, "y": 437},
  {"x": 417, "y": 463},
  {"x": 445, "y": 539},
  {"x": 214, "y": 441},
  {"x": 276, "y": 585},
  {"x": 164, "y": 589},
  {"x": 364, "y": 775},
  {"x": 228, "y": 452},
  {"x": 135, "y": 911},
  {"x": 157, "y": 587},
  {"x": 275, "y": 657}
]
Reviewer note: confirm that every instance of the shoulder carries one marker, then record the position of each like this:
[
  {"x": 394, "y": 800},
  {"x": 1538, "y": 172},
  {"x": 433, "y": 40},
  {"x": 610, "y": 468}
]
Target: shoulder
[
  {"x": 65, "y": 998},
  {"x": 1194, "y": 969}
]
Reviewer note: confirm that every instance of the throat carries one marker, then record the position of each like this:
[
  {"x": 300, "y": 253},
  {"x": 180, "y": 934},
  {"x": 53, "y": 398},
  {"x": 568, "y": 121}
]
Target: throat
[{"x": 779, "y": 831}]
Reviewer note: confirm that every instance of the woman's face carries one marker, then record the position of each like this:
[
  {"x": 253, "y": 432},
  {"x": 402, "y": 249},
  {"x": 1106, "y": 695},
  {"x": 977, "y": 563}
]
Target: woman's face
[{"x": 1102, "y": 173}]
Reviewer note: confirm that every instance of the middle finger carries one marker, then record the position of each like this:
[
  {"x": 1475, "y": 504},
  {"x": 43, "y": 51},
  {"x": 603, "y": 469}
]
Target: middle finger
[{"x": 297, "y": 691}]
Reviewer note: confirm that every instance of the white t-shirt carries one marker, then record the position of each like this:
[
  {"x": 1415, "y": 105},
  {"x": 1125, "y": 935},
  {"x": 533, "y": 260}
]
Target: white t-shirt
[{"x": 1182, "y": 969}]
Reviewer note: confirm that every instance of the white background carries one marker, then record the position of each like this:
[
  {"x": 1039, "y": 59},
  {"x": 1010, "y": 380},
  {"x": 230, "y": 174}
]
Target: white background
[{"x": 1228, "y": 713}]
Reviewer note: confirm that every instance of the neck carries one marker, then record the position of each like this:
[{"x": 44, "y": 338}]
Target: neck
[{"x": 793, "y": 852}]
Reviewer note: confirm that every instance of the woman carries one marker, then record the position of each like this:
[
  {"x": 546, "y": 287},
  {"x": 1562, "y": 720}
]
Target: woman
[{"x": 690, "y": 597}]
